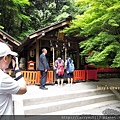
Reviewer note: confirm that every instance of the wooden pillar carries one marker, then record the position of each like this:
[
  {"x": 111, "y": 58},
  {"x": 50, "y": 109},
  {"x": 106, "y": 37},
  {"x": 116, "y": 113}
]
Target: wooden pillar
[
  {"x": 28, "y": 58},
  {"x": 53, "y": 55},
  {"x": 78, "y": 56},
  {"x": 65, "y": 53},
  {"x": 37, "y": 54}
]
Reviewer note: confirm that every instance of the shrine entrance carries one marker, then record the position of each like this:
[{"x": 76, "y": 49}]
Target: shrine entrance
[{"x": 55, "y": 41}]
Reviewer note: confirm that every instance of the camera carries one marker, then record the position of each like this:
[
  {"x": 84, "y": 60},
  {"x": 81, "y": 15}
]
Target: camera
[{"x": 10, "y": 67}]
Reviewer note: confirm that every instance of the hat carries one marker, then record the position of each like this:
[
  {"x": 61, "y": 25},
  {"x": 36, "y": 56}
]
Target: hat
[{"x": 5, "y": 50}]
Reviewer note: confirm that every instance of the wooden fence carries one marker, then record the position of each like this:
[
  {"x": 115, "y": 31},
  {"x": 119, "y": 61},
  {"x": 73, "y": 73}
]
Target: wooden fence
[
  {"x": 33, "y": 77},
  {"x": 78, "y": 75}
]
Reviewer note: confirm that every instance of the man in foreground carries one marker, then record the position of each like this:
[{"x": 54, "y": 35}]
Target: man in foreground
[{"x": 9, "y": 85}]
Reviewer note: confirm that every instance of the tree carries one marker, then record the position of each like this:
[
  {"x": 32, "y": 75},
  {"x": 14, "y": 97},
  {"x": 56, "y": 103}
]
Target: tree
[
  {"x": 1, "y": 27},
  {"x": 48, "y": 12},
  {"x": 100, "y": 25},
  {"x": 13, "y": 16},
  {"x": 22, "y": 17}
]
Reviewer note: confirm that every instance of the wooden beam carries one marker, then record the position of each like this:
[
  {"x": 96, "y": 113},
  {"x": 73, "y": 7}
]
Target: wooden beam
[{"x": 37, "y": 54}]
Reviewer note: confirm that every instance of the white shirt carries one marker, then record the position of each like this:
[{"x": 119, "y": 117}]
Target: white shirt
[{"x": 8, "y": 86}]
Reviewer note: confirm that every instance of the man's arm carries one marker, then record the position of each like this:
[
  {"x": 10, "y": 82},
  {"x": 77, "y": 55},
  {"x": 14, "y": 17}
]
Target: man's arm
[{"x": 19, "y": 78}]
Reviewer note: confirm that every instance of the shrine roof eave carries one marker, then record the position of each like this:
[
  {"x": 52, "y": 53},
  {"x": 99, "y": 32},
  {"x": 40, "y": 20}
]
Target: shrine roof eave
[
  {"x": 42, "y": 32},
  {"x": 5, "y": 37}
]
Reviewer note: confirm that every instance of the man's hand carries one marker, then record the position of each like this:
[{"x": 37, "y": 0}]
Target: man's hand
[
  {"x": 16, "y": 62},
  {"x": 13, "y": 63}
]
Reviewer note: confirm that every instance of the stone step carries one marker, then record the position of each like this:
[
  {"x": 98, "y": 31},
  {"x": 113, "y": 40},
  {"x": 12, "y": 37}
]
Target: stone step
[
  {"x": 82, "y": 110},
  {"x": 110, "y": 109},
  {"x": 63, "y": 96},
  {"x": 66, "y": 104}
]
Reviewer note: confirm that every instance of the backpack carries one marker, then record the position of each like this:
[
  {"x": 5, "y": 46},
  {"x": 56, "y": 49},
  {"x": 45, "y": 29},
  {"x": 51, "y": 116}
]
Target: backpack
[
  {"x": 60, "y": 68},
  {"x": 70, "y": 66}
]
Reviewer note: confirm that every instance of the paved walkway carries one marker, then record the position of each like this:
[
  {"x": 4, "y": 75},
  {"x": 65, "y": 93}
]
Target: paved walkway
[
  {"x": 34, "y": 91},
  {"x": 113, "y": 83}
]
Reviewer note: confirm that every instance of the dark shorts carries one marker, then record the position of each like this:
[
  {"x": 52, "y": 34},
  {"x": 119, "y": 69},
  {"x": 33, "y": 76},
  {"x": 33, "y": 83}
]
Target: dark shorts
[
  {"x": 68, "y": 75},
  {"x": 61, "y": 76}
]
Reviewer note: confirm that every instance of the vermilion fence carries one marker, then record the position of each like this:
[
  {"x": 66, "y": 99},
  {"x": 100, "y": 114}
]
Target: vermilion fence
[
  {"x": 33, "y": 77},
  {"x": 30, "y": 76},
  {"x": 50, "y": 77},
  {"x": 78, "y": 75},
  {"x": 38, "y": 78},
  {"x": 104, "y": 70},
  {"x": 85, "y": 75},
  {"x": 91, "y": 74}
]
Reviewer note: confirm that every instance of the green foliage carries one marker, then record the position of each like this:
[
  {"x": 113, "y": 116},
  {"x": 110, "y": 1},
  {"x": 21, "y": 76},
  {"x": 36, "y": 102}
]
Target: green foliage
[
  {"x": 19, "y": 17},
  {"x": 116, "y": 61},
  {"x": 13, "y": 16},
  {"x": 1, "y": 27},
  {"x": 100, "y": 24},
  {"x": 52, "y": 6},
  {"x": 61, "y": 17},
  {"x": 22, "y": 35},
  {"x": 21, "y": 2}
]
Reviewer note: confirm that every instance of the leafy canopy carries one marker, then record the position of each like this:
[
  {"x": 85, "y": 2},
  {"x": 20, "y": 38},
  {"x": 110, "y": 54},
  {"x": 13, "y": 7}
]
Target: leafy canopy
[
  {"x": 100, "y": 25},
  {"x": 22, "y": 17},
  {"x": 13, "y": 16}
]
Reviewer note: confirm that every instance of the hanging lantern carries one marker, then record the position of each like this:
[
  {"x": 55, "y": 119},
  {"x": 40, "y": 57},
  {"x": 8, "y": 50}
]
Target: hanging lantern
[
  {"x": 32, "y": 53},
  {"x": 68, "y": 44},
  {"x": 50, "y": 43},
  {"x": 56, "y": 45},
  {"x": 51, "y": 49},
  {"x": 63, "y": 45}
]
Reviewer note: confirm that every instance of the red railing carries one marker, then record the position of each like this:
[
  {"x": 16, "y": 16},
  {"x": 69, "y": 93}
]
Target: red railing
[
  {"x": 50, "y": 77},
  {"x": 30, "y": 76},
  {"x": 33, "y": 77},
  {"x": 79, "y": 75},
  {"x": 91, "y": 74},
  {"x": 104, "y": 70},
  {"x": 38, "y": 78}
]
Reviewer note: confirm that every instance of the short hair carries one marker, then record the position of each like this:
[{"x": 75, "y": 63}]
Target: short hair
[
  {"x": 67, "y": 57},
  {"x": 43, "y": 49}
]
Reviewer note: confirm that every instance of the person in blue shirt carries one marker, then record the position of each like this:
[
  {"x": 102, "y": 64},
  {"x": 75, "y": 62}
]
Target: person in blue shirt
[{"x": 68, "y": 73}]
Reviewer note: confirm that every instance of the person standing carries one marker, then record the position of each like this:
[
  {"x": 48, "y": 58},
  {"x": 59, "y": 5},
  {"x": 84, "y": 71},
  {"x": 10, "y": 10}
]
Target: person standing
[
  {"x": 69, "y": 69},
  {"x": 43, "y": 67},
  {"x": 59, "y": 66},
  {"x": 9, "y": 85}
]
